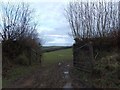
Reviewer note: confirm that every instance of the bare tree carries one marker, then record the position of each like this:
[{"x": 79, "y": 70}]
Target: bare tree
[
  {"x": 17, "y": 22},
  {"x": 92, "y": 19}
]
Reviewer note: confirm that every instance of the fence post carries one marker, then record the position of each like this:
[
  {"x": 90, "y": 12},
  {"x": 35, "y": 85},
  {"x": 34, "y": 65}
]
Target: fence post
[
  {"x": 36, "y": 55},
  {"x": 30, "y": 53},
  {"x": 75, "y": 52},
  {"x": 40, "y": 57},
  {"x": 92, "y": 55}
]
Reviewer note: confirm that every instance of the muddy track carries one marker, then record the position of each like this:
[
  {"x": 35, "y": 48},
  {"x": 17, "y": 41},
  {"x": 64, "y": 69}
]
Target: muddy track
[
  {"x": 44, "y": 77},
  {"x": 55, "y": 76}
]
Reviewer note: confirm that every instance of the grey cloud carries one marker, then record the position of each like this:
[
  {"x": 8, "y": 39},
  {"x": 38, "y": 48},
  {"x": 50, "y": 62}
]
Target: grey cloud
[{"x": 52, "y": 23}]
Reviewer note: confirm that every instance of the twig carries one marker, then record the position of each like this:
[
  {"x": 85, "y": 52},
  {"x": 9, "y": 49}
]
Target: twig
[{"x": 96, "y": 55}]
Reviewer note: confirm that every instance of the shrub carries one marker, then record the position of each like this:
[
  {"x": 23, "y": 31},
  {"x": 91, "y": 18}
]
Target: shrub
[
  {"x": 107, "y": 70},
  {"x": 22, "y": 59}
]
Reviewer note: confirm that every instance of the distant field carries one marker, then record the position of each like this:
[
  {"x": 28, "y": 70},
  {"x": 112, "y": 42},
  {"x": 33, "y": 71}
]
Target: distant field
[
  {"x": 57, "y": 56},
  {"x": 54, "y": 48}
]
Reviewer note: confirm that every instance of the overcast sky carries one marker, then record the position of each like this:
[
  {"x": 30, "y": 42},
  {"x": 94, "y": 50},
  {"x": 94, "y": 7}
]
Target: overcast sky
[{"x": 52, "y": 25}]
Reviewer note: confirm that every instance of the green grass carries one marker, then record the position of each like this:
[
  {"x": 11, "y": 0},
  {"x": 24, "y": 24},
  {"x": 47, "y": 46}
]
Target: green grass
[
  {"x": 18, "y": 72},
  {"x": 49, "y": 58},
  {"x": 57, "y": 56}
]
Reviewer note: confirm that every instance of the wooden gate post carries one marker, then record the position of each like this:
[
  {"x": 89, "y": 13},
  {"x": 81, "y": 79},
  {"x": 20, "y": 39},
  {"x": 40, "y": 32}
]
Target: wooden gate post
[
  {"x": 30, "y": 53},
  {"x": 92, "y": 55}
]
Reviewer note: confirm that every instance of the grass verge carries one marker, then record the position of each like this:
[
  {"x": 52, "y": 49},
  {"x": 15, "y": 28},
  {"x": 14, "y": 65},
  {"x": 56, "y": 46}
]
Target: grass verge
[
  {"x": 18, "y": 72},
  {"x": 49, "y": 58}
]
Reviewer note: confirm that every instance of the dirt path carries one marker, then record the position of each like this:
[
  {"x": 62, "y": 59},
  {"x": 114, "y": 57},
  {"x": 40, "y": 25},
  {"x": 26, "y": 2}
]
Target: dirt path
[{"x": 55, "y": 76}]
